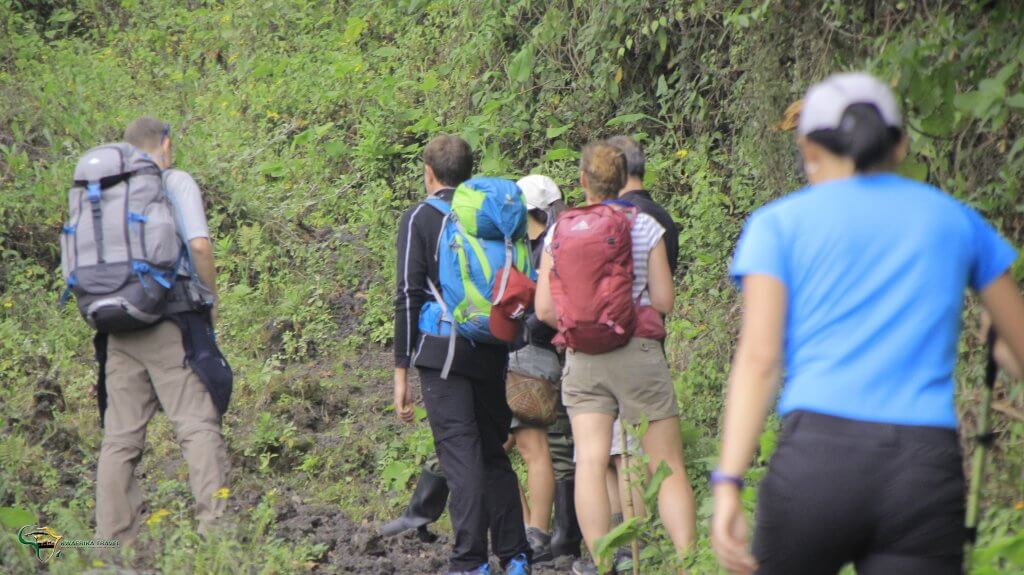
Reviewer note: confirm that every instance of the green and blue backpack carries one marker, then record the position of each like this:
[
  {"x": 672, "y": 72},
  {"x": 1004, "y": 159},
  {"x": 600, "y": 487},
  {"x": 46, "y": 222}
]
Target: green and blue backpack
[{"x": 483, "y": 233}]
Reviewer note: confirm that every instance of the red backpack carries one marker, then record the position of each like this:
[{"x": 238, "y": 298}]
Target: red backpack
[{"x": 592, "y": 278}]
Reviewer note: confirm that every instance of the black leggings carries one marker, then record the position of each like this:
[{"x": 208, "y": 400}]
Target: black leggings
[{"x": 887, "y": 498}]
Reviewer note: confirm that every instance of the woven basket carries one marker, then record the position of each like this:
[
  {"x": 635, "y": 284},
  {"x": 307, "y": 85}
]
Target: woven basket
[{"x": 533, "y": 400}]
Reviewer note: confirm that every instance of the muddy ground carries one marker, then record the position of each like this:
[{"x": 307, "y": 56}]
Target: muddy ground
[{"x": 357, "y": 548}]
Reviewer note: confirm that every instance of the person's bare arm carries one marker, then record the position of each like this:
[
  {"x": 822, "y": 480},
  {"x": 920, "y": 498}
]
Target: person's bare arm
[
  {"x": 754, "y": 378},
  {"x": 659, "y": 279},
  {"x": 1005, "y": 306},
  {"x": 755, "y": 370},
  {"x": 202, "y": 260},
  {"x": 543, "y": 305}
]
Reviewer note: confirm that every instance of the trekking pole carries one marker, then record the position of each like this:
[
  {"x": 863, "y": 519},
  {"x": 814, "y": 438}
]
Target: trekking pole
[
  {"x": 985, "y": 438},
  {"x": 634, "y": 546}
]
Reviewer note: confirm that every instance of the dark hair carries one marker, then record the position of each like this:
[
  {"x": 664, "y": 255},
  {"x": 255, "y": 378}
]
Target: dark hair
[
  {"x": 605, "y": 167},
  {"x": 147, "y": 133},
  {"x": 451, "y": 159},
  {"x": 635, "y": 160},
  {"x": 862, "y": 135},
  {"x": 549, "y": 215},
  {"x": 556, "y": 208}
]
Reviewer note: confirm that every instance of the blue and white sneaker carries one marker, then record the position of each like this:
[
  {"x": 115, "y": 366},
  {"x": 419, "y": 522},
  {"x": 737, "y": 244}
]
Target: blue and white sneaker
[{"x": 519, "y": 565}]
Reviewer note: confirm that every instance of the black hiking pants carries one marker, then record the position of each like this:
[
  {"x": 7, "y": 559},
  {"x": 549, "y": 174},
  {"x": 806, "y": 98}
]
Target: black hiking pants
[
  {"x": 887, "y": 498},
  {"x": 470, "y": 420}
]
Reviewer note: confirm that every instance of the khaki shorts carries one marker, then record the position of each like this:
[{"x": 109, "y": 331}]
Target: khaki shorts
[{"x": 632, "y": 382}]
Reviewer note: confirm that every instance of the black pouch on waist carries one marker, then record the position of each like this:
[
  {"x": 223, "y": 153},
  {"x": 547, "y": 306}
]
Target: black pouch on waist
[
  {"x": 472, "y": 360},
  {"x": 205, "y": 358}
]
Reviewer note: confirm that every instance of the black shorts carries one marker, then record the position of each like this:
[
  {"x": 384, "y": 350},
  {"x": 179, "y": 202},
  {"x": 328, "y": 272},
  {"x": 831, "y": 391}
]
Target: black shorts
[{"x": 887, "y": 498}]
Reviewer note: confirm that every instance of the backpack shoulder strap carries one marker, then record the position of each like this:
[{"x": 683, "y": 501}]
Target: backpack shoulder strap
[
  {"x": 439, "y": 205},
  {"x": 446, "y": 211}
]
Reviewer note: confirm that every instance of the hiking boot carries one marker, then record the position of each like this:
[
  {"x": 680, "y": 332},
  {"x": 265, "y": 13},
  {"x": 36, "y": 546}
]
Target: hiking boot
[
  {"x": 566, "y": 536},
  {"x": 540, "y": 543},
  {"x": 519, "y": 565},
  {"x": 425, "y": 506}
]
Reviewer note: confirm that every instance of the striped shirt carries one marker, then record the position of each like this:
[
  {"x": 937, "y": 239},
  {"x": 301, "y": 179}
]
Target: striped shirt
[{"x": 646, "y": 233}]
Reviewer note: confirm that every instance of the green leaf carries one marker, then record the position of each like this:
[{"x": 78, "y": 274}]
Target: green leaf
[
  {"x": 63, "y": 16},
  {"x": 623, "y": 533},
  {"x": 353, "y": 29},
  {"x": 660, "y": 475},
  {"x": 303, "y": 138},
  {"x": 553, "y": 133},
  {"x": 429, "y": 82},
  {"x": 1018, "y": 146},
  {"x": 15, "y": 518},
  {"x": 521, "y": 66},
  {"x": 914, "y": 170},
  {"x": 769, "y": 439},
  {"x": 662, "y": 86},
  {"x": 1016, "y": 101},
  {"x": 398, "y": 473},
  {"x": 627, "y": 119},
  {"x": 273, "y": 168},
  {"x": 1007, "y": 549},
  {"x": 334, "y": 148},
  {"x": 560, "y": 154},
  {"x": 322, "y": 129}
]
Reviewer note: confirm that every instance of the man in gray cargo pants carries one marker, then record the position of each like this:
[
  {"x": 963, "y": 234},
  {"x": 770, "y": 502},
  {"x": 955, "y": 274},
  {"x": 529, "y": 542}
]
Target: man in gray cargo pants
[{"x": 146, "y": 369}]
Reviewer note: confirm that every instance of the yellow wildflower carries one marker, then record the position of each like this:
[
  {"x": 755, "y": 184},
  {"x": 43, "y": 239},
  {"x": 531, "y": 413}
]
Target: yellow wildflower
[
  {"x": 157, "y": 516},
  {"x": 681, "y": 154},
  {"x": 222, "y": 493}
]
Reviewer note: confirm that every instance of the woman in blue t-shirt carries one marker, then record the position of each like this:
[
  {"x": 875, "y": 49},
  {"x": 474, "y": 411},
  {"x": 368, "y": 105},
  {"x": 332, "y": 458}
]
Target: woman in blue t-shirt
[{"x": 853, "y": 288}]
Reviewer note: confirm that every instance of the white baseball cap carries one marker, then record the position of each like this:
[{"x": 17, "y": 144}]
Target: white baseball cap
[
  {"x": 540, "y": 191},
  {"x": 827, "y": 101}
]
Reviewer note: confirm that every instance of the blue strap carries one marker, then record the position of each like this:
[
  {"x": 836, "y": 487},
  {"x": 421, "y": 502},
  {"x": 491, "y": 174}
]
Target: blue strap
[
  {"x": 618, "y": 202},
  {"x": 68, "y": 230},
  {"x": 159, "y": 275},
  {"x": 439, "y": 205},
  {"x": 140, "y": 219},
  {"x": 141, "y": 268},
  {"x": 161, "y": 279},
  {"x": 72, "y": 282},
  {"x": 93, "y": 191}
]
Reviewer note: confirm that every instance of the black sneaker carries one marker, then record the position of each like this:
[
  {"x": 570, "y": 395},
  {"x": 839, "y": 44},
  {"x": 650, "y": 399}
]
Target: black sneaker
[{"x": 540, "y": 543}]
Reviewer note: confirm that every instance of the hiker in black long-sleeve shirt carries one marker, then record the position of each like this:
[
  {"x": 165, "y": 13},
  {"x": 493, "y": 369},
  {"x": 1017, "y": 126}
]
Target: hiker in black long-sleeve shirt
[
  {"x": 634, "y": 193},
  {"x": 467, "y": 411}
]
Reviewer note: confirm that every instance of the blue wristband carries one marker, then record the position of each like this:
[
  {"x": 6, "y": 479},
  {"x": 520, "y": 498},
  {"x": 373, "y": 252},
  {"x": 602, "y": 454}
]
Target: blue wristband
[{"x": 718, "y": 477}]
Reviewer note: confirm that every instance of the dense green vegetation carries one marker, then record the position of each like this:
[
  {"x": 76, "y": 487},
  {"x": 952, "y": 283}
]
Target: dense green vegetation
[{"x": 303, "y": 122}]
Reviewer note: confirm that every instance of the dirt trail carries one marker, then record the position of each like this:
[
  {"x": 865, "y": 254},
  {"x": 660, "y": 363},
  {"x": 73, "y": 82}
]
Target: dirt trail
[
  {"x": 357, "y": 548},
  {"x": 354, "y": 546}
]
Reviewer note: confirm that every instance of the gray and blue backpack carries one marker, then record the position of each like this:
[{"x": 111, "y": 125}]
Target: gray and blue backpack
[{"x": 121, "y": 248}]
